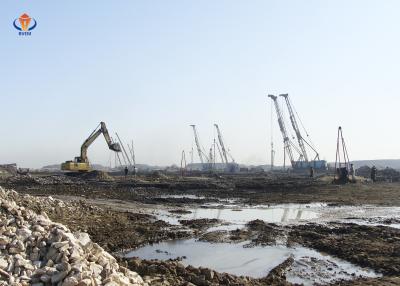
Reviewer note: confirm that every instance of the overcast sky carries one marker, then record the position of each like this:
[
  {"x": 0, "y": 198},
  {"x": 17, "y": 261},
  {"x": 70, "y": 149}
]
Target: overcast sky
[{"x": 151, "y": 68}]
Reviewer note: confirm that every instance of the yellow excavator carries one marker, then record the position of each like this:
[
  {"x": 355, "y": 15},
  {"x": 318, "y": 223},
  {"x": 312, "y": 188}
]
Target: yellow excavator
[{"x": 81, "y": 163}]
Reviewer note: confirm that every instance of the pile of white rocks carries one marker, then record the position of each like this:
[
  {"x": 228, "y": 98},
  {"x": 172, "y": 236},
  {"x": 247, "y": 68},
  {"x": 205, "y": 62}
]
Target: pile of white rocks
[{"x": 36, "y": 251}]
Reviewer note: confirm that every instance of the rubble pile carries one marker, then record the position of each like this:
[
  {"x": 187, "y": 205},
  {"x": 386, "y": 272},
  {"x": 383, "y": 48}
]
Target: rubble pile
[
  {"x": 97, "y": 175},
  {"x": 8, "y": 169},
  {"x": 45, "y": 180},
  {"x": 36, "y": 251},
  {"x": 49, "y": 205}
]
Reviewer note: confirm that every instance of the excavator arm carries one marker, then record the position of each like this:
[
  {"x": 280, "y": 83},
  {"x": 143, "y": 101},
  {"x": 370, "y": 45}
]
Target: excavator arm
[
  {"x": 81, "y": 163},
  {"x": 96, "y": 133}
]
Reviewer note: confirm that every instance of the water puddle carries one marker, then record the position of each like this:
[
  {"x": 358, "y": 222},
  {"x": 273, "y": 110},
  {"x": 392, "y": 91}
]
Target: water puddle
[
  {"x": 195, "y": 197},
  {"x": 311, "y": 267},
  {"x": 256, "y": 262},
  {"x": 241, "y": 216},
  {"x": 364, "y": 215},
  {"x": 371, "y": 223}
]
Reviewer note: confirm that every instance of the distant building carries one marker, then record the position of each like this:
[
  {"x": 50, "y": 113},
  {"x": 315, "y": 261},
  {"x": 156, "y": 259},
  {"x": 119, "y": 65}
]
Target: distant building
[{"x": 217, "y": 167}]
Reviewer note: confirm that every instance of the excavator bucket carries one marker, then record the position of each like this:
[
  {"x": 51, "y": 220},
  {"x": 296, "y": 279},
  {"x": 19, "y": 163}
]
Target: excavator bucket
[{"x": 115, "y": 147}]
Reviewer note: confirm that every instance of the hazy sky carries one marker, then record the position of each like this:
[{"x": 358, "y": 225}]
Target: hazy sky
[{"x": 151, "y": 68}]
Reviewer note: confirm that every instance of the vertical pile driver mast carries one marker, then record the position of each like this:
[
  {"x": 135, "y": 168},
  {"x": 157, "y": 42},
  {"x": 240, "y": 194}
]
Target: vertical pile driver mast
[
  {"x": 342, "y": 168},
  {"x": 199, "y": 149},
  {"x": 286, "y": 141},
  {"x": 221, "y": 143},
  {"x": 300, "y": 138},
  {"x": 346, "y": 161},
  {"x": 81, "y": 163},
  {"x": 295, "y": 127}
]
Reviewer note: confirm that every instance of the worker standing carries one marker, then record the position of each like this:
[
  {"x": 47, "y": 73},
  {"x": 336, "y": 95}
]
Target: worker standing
[
  {"x": 373, "y": 174},
  {"x": 126, "y": 171},
  {"x": 352, "y": 173},
  {"x": 311, "y": 172}
]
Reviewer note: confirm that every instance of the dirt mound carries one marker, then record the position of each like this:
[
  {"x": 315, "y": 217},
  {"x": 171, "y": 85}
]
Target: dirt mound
[
  {"x": 199, "y": 223},
  {"x": 173, "y": 272},
  {"x": 41, "y": 180},
  {"x": 97, "y": 175},
  {"x": 8, "y": 169},
  {"x": 158, "y": 175}
]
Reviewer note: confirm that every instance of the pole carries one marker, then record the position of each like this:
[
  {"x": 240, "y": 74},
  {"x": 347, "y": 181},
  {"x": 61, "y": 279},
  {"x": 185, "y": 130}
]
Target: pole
[
  {"x": 272, "y": 140},
  {"x": 123, "y": 148},
  {"x": 117, "y": 155},
  {"x": 183, "y": 163},
  {"x": 284, "y": 158}
]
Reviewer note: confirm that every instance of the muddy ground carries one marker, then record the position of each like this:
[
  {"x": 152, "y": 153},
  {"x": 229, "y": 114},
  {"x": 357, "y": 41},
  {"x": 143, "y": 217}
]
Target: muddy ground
[
  {"x": 255, "y": 189},
  {"x": 377, "y": 247}
]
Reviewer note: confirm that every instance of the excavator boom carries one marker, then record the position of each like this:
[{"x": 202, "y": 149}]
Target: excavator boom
[
  {"x": 81, "y": 163},
  {"x": 96, "y": 133}
]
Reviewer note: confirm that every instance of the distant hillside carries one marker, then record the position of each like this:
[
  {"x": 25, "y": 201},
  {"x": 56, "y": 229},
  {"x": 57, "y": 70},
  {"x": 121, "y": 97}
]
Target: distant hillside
[
  {"x": 57, "y": 167},
  {"x": 380, "y": 164}
]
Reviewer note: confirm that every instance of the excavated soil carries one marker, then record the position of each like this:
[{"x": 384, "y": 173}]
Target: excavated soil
[
  {"x": 377, "y": 247},
  {"x": 251, "y": 189}
]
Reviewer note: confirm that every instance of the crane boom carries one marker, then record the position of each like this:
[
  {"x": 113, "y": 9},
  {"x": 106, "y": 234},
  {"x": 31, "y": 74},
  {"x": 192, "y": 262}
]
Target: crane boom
[
  {"x": 295, "y": 126},
  {"x": 221, "y": 142},
  {"x": 196, "y": 139},
  {"x": 286, "y": 140}
]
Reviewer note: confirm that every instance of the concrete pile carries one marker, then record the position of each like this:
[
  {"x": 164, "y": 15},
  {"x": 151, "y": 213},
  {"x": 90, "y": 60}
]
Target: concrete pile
[{"x": 36, "y": 251}]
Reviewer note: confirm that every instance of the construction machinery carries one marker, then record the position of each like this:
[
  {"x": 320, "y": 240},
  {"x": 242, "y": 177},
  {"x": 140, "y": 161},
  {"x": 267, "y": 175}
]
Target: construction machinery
[
  {"x": 205, "y": 161},
  {"x": 286, "y": 140},
  {"x": 300, "y": 139},
  {"x": 230, "y": 166},
  {"x": 221, "y": 143},
  {"x": 81, "y": 163},
  {"x": 296, "y": 129},
  {"x": 303, "y": 162},
  {"x": 342, "y": 167}
]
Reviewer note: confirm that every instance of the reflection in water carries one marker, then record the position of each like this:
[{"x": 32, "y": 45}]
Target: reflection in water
[
  {"x": 223, "y": 257},
  {"x": 236, "y": 215},
  {"x": 246, "y": 214},
  {"x": 309, "y": 265}
]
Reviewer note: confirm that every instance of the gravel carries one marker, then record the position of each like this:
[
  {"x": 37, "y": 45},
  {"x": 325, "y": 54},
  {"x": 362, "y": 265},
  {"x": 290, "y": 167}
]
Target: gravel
[{"x": 36, "y": 251}]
